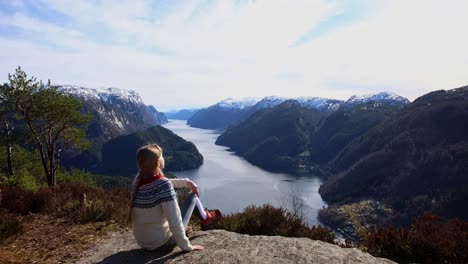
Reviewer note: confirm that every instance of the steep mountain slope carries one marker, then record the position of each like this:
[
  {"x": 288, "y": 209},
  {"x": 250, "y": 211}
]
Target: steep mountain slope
[
  {"x": 119, "y": 153},
  {"x": 160, "y": 117},
  {"x": 342, "y": 126},
  {"x": 415, "y": 161},
  {"x": 116, "y": 112},
  {"x": 274, "y": 138}
]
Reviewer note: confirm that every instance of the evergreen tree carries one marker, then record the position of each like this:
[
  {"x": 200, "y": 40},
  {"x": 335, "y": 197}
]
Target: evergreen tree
[{"x": 54, "y": 119}]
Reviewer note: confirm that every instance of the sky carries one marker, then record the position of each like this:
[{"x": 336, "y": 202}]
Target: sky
[{"x": 183, "y": 54}]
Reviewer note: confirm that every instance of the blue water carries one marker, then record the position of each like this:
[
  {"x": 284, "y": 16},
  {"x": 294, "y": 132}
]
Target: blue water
[{"x": 230, "y": 183}]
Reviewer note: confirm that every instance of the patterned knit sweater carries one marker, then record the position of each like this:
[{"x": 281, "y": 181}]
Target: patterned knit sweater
[{"x": 156, "y": 215}]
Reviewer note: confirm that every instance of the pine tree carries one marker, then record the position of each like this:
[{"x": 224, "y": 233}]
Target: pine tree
[{"x": 54, "y": 119}]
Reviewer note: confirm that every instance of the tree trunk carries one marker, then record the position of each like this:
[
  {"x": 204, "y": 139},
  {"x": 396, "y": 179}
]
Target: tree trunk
[
  {"x": 52, "y": 166},
  {"x": 49, "y": 179},
  {"x": 9, "y": 149}
]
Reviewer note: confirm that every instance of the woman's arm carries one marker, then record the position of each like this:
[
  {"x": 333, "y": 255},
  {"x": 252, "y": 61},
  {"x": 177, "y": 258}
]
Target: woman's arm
[
  {"x": 172, "y": 212},
  {"x": 185, "y": 183}
]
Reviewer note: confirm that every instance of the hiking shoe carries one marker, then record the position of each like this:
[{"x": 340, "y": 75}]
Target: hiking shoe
[{"x": 211, "y": 219}]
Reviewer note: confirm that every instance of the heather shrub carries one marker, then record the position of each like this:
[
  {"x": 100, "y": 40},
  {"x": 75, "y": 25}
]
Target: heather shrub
[
  {"x": 76, "y": 202},
  {"x": 430, "y": 239},
  {"x": 9, "y": 224},
  {"x": 389, "y": 242},
  {"x": 17, "y": 200},
  {"x": 271, "y": 221},
  {"x": 83, "y": 204}
]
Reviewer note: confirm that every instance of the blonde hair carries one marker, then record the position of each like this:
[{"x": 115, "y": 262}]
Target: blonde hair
[{"x": 147, "y": 162}]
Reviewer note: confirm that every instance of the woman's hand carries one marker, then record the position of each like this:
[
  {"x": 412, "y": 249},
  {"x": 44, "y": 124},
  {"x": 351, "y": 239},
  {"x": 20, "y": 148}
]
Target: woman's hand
[
  {"x": 193, "y": 187},
  {"x": 198, "y": 247}
]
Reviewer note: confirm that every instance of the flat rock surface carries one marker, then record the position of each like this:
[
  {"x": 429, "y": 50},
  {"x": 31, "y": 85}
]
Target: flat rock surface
[{"x": 227, "y": 247}]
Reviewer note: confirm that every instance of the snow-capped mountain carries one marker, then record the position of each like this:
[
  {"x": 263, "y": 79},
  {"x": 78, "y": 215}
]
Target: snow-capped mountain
[
  {"x": 232, "y": 111},
  {"x": 382, "y": 97},
  {"x": 109, "y": 95}
]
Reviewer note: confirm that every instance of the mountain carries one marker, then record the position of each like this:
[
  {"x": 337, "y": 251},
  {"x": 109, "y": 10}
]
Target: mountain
[
  {"x": 118, "y": 154},
  {"x": 184, "y": 114},
  {"x": 160, "y": 116},
  {"x": 344, "y": 125},
  {"x": 333, "y": 128},
  {"x": 231, "y": 112},
  {"x": 116, "y": 112},
  {"x": 274, "y": 138},
  {"x": 221, "y": 114},
  {"x": 415, "y": 161}
]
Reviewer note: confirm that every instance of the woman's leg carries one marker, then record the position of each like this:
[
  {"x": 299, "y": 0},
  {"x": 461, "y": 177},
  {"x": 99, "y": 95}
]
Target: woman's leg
[{"x": 189, "y": 205}]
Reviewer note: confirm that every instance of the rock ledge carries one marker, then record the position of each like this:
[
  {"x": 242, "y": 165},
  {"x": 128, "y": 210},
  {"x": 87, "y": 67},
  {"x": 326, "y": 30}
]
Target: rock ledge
[{"x": 228, "y": 247}]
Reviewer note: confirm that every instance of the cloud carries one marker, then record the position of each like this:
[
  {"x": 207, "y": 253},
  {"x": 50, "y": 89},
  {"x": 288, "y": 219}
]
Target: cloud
[{"x": 194, "y": 53}]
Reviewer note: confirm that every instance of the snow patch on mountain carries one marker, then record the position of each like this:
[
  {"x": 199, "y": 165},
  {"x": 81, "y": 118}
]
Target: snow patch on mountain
[
  {"x": 318, "y": 103},
  {"x": 241, "y": 103},
  {"x": 377, "y": 97},
  {"x": 270, "y": 101},
  {"x": 323, "y": 104}
]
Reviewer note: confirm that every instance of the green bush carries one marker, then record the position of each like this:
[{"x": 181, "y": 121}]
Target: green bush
[
  {"x": 27, "y": 181},
  {"x": 27, "y": 168},
  {"x": 75, "y": 176},
  {"x": 271, "y": 221}
]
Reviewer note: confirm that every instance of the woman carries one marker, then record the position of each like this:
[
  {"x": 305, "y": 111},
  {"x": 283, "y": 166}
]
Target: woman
[{"x": 156, "y": 218}]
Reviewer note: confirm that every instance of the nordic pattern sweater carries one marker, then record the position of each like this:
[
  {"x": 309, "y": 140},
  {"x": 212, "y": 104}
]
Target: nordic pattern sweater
[{"x": 156, "y": 215}]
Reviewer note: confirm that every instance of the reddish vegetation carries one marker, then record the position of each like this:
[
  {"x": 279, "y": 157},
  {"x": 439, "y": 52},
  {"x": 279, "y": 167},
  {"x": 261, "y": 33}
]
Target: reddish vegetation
[
  {"x": 272, "y": 221},
  {"x": 430, "y": 239},
  {"x": 75, "y": 202}
]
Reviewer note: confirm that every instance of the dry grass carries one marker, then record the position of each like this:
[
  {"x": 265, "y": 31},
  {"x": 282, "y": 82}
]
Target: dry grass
[{"x": 46, "y": 239}]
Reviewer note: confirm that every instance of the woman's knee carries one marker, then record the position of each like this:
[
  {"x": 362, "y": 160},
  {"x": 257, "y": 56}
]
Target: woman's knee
[{"x": 192, "y": 195}]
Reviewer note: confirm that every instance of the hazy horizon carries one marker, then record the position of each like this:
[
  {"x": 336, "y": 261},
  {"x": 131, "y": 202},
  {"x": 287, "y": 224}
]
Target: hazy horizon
[{"x": 187, "y": 54}]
